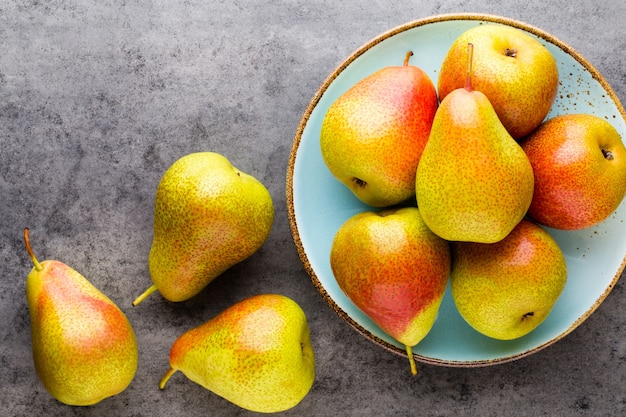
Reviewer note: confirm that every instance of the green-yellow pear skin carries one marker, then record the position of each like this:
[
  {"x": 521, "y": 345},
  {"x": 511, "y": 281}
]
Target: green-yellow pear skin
[
  {"x": 474, "y": 182},
  {"x": 505, "y": 290},
  {"x": 393, "y": 268},
  {"x": 256, "y": 354},
  {"x": 84, "y": 347},
  {"x": 579, "y": 161},
  {"x": 208, "y": 216},
  {"x": 373, "y": 135},
  {"x": 516, "y": 72}
]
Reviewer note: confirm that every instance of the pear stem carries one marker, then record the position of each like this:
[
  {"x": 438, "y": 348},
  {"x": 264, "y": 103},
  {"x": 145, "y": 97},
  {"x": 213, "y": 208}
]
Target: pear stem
[
  {"x": 470, "y": 57},
  {"x": 406, "y": 58},
  {"x": 166, "y": 377},
  {"x": 409, "y": 352},
  {"x": 145, "y": 294},
  {"x": 38, "y": 266}
]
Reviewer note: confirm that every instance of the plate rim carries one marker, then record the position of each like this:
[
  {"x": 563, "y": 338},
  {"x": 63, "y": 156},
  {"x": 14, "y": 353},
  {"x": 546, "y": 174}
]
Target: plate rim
[{"x": 491, "y": 18}]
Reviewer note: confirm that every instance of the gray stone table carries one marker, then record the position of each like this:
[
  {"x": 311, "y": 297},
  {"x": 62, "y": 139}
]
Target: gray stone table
[{"x": 98, "y": 98}]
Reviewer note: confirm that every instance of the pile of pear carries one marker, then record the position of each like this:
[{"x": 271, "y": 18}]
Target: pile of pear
[
  {"x": 208, "y": 216},
  {"x": 462, "y": 182}
]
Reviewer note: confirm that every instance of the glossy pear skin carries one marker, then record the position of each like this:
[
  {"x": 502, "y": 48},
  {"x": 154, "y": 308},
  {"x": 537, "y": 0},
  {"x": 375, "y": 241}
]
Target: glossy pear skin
[
  {"x": 505, "y": 290},
  {"x": 474, "y": 182},
  {"x": 256, "y": 354},
  {"x": 373, "y": 135},
  {"x": 515, "y": 71},
  {"x": 208, "y": 216},
  {"x": 84, "y": 347},
  {"x": 393, "y": 268},
  {"x": 579, "y": 162}
]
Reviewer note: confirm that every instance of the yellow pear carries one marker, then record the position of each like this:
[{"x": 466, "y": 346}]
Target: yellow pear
[
  {"x": 84, "y": 347},
  {"x": 208, "y": 216},
  {"x": 373, "y": 135},
  {"x": 474, "y": 182},
  {"x": 516, "y": 72},
  {"x": 394, "y": 269},
  {"x": 256, "y": 354},
  {"x": 505, "y": 290}
]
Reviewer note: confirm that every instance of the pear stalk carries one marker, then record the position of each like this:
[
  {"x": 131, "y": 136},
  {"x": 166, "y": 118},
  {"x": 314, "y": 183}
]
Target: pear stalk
[
  {"x": 145, "y": 294},
  {"x": 166, "y": 377},
  {"x": 470, "y": 57},
  {"x": 38, "y": 266},
  {"x": 409, "y": 352},
  {"x": 406, "y": 58}
]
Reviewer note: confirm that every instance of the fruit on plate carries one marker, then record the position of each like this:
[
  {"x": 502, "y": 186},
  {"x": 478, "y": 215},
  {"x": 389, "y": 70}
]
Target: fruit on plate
[
  {"x": 256, "y": 354},
  {"x": 579, "y": 161},
  {"x": 84, "y": 347},
  {"x": 208, "y": 216},
  {"x": 474, "y": 182},
  {"x": 394, "y": 269},
  {"x": 505, "y": 290},
  {"x": 373, "y": 135},
  {"x": 516, "y": 72}
]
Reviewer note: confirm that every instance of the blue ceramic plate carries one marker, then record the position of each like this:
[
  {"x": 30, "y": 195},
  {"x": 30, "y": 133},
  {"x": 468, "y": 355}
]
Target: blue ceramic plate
[{"x": 318, "y": 204}]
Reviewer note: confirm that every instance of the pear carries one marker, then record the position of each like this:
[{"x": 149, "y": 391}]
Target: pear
[
  {"x": 516, "y": 72},
  {"x": 393, "y": 268},
  {"x": 474, "y": 182},
  {"x": 84, "y": 347},
  {"x": 208, "y": 216},
  {"x": 505, "y": 290},
  {"x": 256, "y": 354},
  {"x": 579, "y": 161},
  {"x": 373, "y": 135}
]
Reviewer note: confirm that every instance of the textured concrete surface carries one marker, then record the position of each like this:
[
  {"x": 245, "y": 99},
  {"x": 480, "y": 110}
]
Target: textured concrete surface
[{"x": 98, "y": 98}]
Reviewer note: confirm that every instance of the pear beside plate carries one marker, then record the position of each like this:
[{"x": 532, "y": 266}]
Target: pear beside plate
[{"x": 318, "y": 204}]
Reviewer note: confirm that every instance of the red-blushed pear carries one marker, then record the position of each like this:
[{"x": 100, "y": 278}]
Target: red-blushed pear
[
  {"x": 373, "y": 135},
  {"x": 393, "y": 268},
  {"x": 516, "y": 72},
  {"x": 579, "y": 161},
  {"x": 474, "y": 182},
  {"x": 84, "y": 347},
  {"x": 504, "y": 290},
  {"x": 256, "y": 354}
]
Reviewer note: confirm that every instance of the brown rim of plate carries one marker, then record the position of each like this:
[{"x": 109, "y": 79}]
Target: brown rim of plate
[{"x": 296, "y": 143}]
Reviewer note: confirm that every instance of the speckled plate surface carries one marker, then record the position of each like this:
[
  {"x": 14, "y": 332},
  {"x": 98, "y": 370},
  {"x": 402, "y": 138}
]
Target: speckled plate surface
[{"x": 318, "y": 204}]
